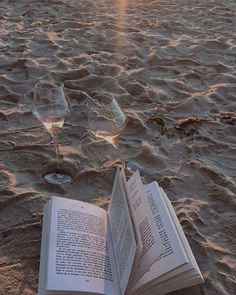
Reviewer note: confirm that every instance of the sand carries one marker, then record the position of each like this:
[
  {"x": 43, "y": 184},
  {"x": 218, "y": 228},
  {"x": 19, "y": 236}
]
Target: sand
[{"x": 171, "y": 65}]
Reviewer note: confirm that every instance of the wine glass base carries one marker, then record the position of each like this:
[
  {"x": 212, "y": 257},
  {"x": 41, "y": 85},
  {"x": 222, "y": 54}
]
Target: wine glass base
[
  {"x": 132, "y": 167},
  {"x": 63, "y": 174},
  {"x": 57, "y": 178}
]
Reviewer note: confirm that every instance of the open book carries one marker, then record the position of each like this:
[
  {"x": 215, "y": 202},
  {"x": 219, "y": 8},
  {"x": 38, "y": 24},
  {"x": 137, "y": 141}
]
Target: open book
[{"x": 136, "y": 247}]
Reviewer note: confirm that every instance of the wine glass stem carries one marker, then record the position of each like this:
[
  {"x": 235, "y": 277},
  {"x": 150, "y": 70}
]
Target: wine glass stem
[{"x": 55, "y": 140}]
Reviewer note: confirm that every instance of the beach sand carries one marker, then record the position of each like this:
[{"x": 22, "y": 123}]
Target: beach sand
[{"x": 171, "y": 65}]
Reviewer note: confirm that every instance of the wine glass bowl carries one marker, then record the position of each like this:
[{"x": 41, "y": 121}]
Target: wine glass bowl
[
  {"x": 51, "y": 106},
  {"x": 106, "y": 120}
]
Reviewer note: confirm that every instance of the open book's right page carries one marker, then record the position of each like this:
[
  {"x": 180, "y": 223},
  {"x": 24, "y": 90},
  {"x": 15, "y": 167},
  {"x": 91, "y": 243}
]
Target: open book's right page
[
  {"x": 173, "y": 255},
  {"x": 196, "y": 271},
  {"x": 146, "y": 226}
]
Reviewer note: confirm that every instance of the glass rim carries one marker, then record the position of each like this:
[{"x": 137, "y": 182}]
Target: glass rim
[{"x": 49, "y": 84}]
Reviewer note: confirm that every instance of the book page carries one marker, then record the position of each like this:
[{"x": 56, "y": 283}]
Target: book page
[
  {"x": 44, "y": 249},
  {"x": 182, "y": 236},
  {"x": 80, "y": 256},
  {"x": 122, "y": 233},
  {"x": 185, "y": 280},
  {"x": 173, "y": 255},
  {"x": 135, "y": 227},
  {"x": 146, "y": 226}
]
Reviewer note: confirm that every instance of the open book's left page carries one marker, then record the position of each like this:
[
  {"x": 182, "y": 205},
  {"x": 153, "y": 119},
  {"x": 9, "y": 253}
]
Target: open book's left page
[
  {"x": 44, "y": 252},
  {"x": 80, "y": 257}
]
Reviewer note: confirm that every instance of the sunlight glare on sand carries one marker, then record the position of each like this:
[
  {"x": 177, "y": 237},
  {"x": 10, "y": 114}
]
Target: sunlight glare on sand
[{"x": 121, "y": 24}]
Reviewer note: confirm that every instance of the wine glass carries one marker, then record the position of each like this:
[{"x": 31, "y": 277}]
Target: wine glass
[
  {"x": 106, "y": 120},
  {"x": 51, "y": 106}
]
